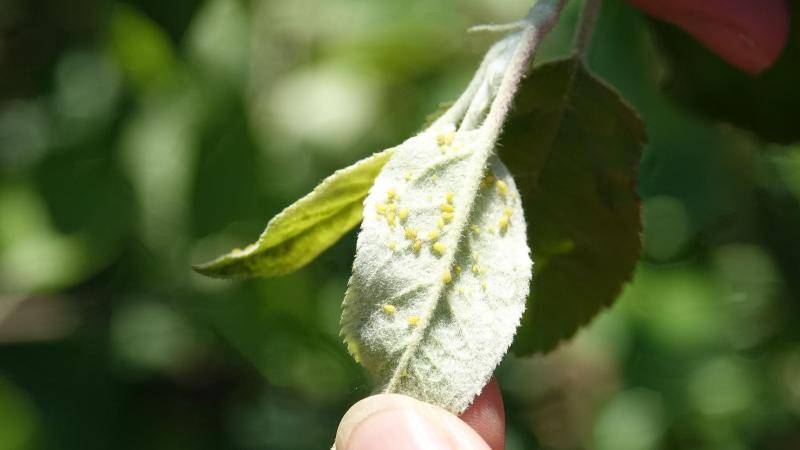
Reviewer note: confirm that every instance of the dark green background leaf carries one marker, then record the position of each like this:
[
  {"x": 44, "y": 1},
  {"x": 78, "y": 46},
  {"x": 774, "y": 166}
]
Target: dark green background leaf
[{"x": 573, "y": 146}]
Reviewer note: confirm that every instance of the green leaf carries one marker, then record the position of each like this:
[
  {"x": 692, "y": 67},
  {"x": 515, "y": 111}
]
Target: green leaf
[
  {"x": 765, "y": 104},
  {"x": 305, "y": 229},
  {"x": 573, "y": 146},
  {"x": 440, "y": 110}
]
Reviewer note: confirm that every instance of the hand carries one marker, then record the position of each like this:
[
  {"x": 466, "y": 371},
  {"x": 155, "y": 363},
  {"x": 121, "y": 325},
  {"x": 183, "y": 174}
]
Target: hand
[
  {"x": 749, "y": 34},
  {"x": 398, "y": 422}
]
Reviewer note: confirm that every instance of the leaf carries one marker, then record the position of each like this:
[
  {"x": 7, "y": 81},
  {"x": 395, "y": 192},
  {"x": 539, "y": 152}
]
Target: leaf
[
  {"x": 441, "y": 272},
  {"x": 573, "y": 146},
  {"x": 765, "y": 104},
  {"x": 440, "y": 110},
  {"x": 306, "y": 228}
]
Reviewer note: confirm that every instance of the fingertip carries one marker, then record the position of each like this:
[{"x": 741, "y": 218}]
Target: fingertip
[
  {"x": 749, "y": 35},
  {"x": 486, "y": 415},
  {"x": 395, "y": 422}
]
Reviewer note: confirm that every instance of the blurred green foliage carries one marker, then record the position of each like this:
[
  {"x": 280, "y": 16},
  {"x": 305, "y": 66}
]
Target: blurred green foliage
[{"x": 138, "y": 137}]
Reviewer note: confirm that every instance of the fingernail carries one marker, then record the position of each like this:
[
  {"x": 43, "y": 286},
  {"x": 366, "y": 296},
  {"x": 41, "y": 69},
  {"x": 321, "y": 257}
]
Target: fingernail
[{"x": 398, "y": 429}]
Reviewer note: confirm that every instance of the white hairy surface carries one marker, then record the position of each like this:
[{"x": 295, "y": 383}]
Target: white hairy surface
[{"x": 435, "y": 299}]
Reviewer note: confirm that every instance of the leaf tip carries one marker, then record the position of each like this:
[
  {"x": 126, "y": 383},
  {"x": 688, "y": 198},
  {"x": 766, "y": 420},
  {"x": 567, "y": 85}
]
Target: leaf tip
[
  {"x": 212, "y": 269},
  {"x": 229, "y": 265}
]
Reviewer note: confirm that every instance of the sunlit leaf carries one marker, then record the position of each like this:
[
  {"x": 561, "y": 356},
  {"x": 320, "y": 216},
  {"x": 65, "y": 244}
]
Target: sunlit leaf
[
  {"x": 573, "y": 146},
  {"x": 305, "y": 229},
  {"x": 431, "y": 118},
  {"x": 442, "y": 270}
]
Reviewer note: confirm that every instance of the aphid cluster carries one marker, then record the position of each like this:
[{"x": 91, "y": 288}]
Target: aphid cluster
[
  {"x": 391, "y": 211},
  {"x": 446, "y": 141}
]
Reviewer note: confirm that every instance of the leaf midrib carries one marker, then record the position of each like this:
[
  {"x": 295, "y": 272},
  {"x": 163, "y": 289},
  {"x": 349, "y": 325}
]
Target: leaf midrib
[
  {"x": 481, "y": 157},
  {"x": 449, "y": 258},
  {"x": 575, "y": 66}
]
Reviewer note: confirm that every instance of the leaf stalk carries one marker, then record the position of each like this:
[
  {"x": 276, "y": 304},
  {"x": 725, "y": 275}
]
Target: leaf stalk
[{"x": 586, "y": 25}]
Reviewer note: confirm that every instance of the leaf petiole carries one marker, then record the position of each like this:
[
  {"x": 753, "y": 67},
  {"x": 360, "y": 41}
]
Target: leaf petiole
[{"x": 585, "y": 29}]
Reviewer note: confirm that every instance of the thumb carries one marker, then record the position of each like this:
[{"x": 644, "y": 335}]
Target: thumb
[{"x": 398, "y": 422}]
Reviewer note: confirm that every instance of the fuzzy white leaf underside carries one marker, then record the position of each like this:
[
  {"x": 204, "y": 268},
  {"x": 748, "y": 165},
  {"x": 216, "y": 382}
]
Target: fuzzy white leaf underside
[{"x": 418, "y": 330}]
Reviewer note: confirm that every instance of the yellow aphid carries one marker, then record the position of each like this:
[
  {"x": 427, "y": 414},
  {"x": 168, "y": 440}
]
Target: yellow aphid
[
  {"x": 445, "y": 139},
  {"x": 440, "y": 223},
  {"x": 392, "y": 246},
  {"x": 503, "y": 223},
  {"x": 433, "y": 234},
  {"x": 403, "y": 214},
  {"x": 447, "y": 216},
  {"x": 446, "y": 276},
  {"x": 390, "y": 219},
  {"x": 446, "y": 207},
  {"x": 439, "y": 248},
  {"x": 403, "y": 373},
  {"x": 390, "y": 309},
  {"x": 410, "y": 233},
  {"x": 381, "y": 208},
  {"x": 483, "y": 285},
  {"x": 353, "y": 348},
  {"x": 478, "y": 269},
  {"x": 458, "y": 268},
  {"x": 487, "y": 180},
  {"x": 407, "y": 176},
  {"x": 475, "y": 229},
  {"x": 449, "y": 197},
  {"x": 502, "y": 187},
  {"x": 413, "y": 320},
  {"x": 391, "y": 194},
  {"x": 416, "y": 246},
  {"x": 508, "y": 212}
]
